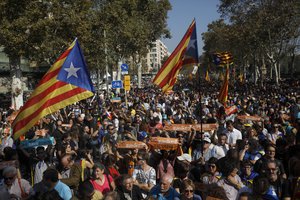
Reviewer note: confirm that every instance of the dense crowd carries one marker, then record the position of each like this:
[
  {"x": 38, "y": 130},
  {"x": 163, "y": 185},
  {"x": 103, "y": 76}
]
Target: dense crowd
[{"x": 77, "y": 154}]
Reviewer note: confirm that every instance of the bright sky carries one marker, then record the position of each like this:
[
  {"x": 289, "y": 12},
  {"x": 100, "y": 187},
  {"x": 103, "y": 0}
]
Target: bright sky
[{"x": 181, "y": 16}]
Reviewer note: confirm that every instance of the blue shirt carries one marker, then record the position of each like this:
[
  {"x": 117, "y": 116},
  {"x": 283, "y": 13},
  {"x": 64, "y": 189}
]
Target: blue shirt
[
  {"x": 170, "y": 195},
  {"x": 63, "y": 190}
]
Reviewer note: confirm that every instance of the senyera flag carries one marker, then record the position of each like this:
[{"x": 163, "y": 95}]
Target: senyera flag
[
  {"x": 67, "y": 81},
  {"x": 223, "y": 94},
  {"x": 186, "y": 53}
]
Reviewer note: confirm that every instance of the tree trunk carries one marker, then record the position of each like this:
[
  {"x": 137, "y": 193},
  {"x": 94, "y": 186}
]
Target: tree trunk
[
  {"x": 16, "y": 84},
  {"x": 276, "y": 73},
  {"x": 140, "y": 75}
]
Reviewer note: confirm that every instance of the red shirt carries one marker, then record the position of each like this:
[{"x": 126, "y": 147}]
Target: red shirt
[{"x": 105, "y": 187}]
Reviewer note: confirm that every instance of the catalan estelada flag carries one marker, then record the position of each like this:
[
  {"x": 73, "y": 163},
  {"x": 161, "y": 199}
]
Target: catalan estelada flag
[
  {"x": 222, "y": 59},
  {"x": 223, "y": 95},
  {"x": 186, "y": 53},
  {"x": 66, "y": 82}
]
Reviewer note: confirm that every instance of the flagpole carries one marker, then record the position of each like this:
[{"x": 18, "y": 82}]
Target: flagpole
[{"x": 200, "y": 108}]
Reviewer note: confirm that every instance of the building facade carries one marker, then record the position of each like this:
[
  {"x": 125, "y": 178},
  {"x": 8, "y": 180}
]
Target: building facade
[{"x": 156, "y": 55}]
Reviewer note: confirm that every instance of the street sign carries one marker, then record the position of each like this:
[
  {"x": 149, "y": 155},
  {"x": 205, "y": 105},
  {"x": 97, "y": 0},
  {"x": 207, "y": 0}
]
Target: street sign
[
  {"x": 116, "y": 84},
  {"x": 127, "y": 82},
  {"x": 124, "y": 67}
]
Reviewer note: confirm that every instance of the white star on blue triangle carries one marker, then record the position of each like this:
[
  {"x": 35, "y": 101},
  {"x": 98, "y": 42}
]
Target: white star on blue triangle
[{"x": 72, "y": 71}]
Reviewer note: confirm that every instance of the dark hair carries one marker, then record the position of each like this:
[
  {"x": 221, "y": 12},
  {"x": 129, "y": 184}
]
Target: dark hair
[
  {"x": 50, "y": 195},
  {"x": 228, "y": 167},
  {"x": 51, "y": 174},
  {"x": 114, "y": 195},
  {"x": 186, "y": 183},
  {"x": 85, "y": 188},
  {"x": 216, "y": 191},
  {"x": 260, "y": 185},
  {"x": 125, "y": 177},
  {"x": 98, "y": 165},
  {"x": 144, "y": 155},
  {"x": 212, "y": 160},
  {"x": 40, "y": 148}
]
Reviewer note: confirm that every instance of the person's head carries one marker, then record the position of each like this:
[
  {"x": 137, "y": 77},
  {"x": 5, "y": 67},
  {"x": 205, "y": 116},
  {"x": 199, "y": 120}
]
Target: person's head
[
  {"x": 50, "y": 177},
  {"x": 253, "y": 145},
  {"x": 66, "y": 138},
  {"x": 229, "y": 168},
  {"x": 229, "y": 125},
  {"x": 206, "y": 142},
  {"x": 260, "y": 186},
  {"x": 180, "y": 137},
  {"x": 222, "y": 139},
  {"x": 270, "y": 151},
  {"x": 112, "y": 196},
  {"x": 86, "y": 129},
  {"x": 67, "y": 161},
  {"x": 232, "y": 154},
  {"x": 165, "y": 183},
  {"x": 127, "y": 182},
  {"x": 41, "y": 153},
  {"x": 111, "y": 129},
  {"x": 142, "y": 158},
  {"x": 98, "y": 170},
  {"x": 247, "y": 167},
  {"x": 215, "y": 191},
  {"x": 188, "y": 188},
  {"x": 50, "y": 195},
  {"x": 272, "y": 170},
  {"x": 211, "y": 165},
  {"x": 86, "y": 190},
  {"x": 245, "y": 196},
  {"x": 9, "y": 174},
  {"x": 251, "y": 133}
]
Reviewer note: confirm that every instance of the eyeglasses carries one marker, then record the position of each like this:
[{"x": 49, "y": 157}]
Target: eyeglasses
[
  {"x": 213, "y": 166},
  {"x": 180, "y": 136},
  {"x": 9, "y": 178},
  {"x": 189, "y": 191}
]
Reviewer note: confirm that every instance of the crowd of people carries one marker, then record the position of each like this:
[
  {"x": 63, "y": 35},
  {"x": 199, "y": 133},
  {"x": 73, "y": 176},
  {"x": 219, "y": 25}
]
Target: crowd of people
[{"x": 74, "y": 153}]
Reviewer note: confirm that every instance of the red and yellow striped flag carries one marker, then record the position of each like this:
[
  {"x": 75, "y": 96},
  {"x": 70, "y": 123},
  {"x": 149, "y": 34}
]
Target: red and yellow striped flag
[
  {"x": 186, "y": 53},
  {"x": 66, "y": 82},
  {"x": 223, "y": 95}
]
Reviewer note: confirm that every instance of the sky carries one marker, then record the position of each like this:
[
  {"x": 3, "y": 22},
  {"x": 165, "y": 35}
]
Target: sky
[{"x": 182, "y": 14}]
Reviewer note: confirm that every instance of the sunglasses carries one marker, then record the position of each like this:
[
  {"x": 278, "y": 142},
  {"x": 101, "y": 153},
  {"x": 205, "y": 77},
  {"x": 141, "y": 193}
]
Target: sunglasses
[
  {"x": 189, "y": 191},
  {"x": 213, "y": 166},
  {"x": 9, "y": 178},
  {"x": 111, "y": 129}
]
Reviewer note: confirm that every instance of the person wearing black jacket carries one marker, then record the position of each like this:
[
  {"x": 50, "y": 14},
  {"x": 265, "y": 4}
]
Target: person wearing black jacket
[{"x": 129, "y": 191}]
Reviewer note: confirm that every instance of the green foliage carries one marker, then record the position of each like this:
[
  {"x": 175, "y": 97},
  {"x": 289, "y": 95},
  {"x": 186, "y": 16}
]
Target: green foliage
[
  {"x": 41, "y": 29},
  {"x": 255, "y": 30}
]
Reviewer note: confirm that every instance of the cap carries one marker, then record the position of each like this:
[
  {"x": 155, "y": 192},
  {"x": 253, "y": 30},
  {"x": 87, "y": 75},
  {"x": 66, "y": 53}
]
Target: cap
[
  {"x": 206, "y": 134},
  {"x": 184, "y": 157},
  {"x": 207, "y": 139}
]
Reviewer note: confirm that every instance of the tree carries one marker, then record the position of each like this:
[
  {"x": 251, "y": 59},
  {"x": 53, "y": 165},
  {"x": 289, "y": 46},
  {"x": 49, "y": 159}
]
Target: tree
[{"x": 39, "y": 31}]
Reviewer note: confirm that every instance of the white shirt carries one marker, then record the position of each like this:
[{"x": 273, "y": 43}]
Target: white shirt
[
  {"x": 40, "y": 167},
  {"x": 220, "y": 151},
  {"x": 233, "y": 136}
]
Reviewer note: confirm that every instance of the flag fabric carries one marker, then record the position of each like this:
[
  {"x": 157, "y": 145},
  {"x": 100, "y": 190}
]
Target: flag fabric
[
  {"x": 223, "y": 95},
  {"x": 66, "y": 82},
  {"x": 207, "y": 78},
  {"x": 185, "y": 54},
  {"x": 221, "y": 59}
]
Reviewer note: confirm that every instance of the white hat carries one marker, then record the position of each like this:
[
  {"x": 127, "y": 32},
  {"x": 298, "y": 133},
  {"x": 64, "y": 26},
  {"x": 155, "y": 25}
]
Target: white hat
[
  {"x": 206, "y": 134},
  {"x": 207, "y": 139},
  {"x": 186, "y": 157}
]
